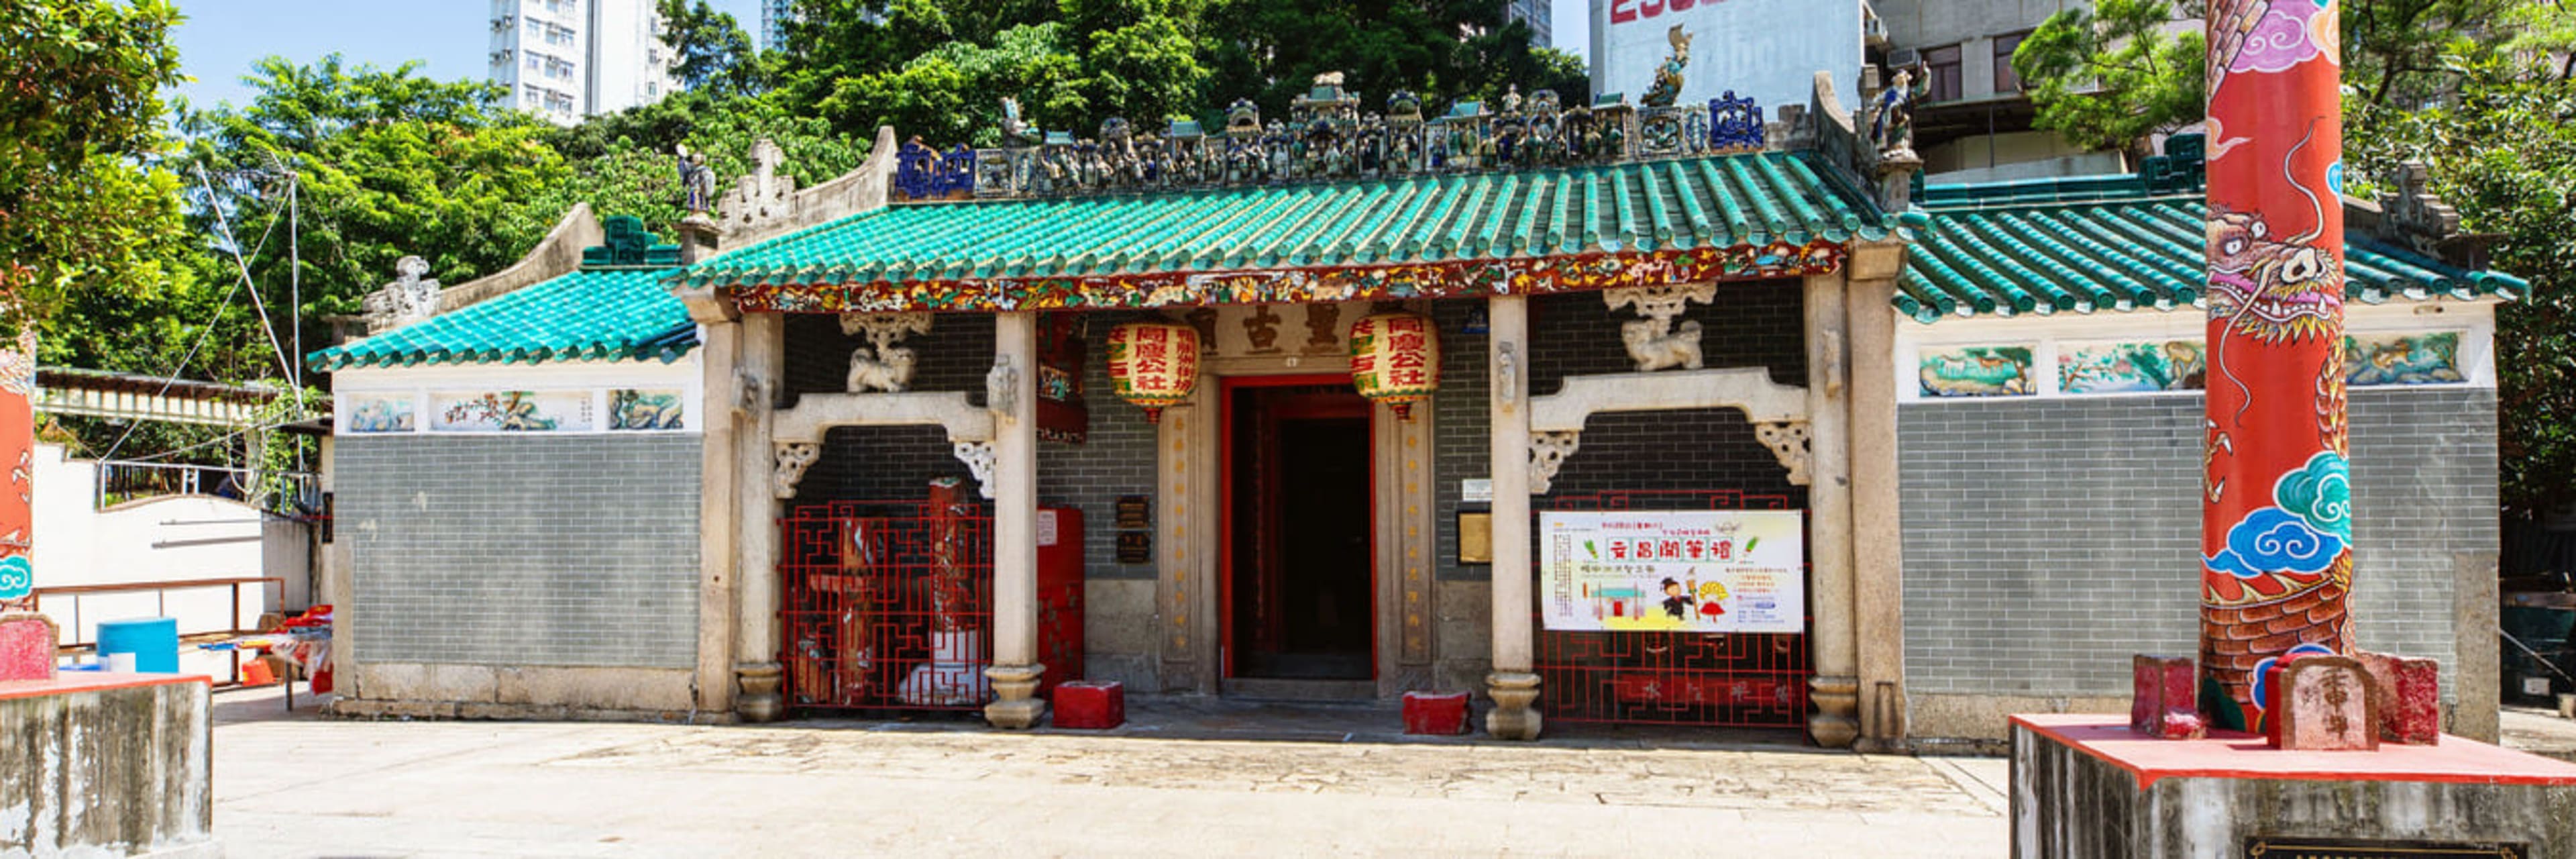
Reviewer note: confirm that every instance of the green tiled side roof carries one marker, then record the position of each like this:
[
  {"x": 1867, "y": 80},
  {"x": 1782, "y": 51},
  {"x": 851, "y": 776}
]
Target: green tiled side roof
[
  {"x": 2104, "y": 243},
  {"x": 1722, "y": 202},
  {"x": 585, "y": 315}
]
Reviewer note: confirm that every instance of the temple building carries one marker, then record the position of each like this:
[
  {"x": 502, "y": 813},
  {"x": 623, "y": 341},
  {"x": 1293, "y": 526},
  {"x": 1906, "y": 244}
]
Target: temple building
[{"x": 1693, "y": 414}]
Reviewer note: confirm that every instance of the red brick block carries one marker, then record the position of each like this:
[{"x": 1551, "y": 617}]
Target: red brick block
[
  {"x": 26, "y": 647},
  {"x": 2409, "y": 691},
  {"x": 1441, "y": 713},
  {"x": 2164, "y": 698},
  {"x": 1090, "y": 705}
]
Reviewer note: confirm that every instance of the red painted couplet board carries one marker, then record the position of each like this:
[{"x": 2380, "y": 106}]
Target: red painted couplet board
[
  {"x": 2276, "y": 527},
  {"x": 18, "y": 452}
]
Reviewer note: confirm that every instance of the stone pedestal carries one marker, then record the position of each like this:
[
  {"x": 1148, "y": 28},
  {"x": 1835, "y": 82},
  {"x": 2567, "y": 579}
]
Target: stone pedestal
[
  {"x": 1513, "y": 717},
  {"x": 1015, "y": 702},
  {"x": 2087, "y": 786},
  {"x": 759, "y": 700},
  {"x": 1836, "y": 722}
]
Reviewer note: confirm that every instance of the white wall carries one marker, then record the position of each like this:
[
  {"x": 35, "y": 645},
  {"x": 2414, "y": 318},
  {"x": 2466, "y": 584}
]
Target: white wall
[
  {"x": 169, "y": 538},
  {"x": 1767, "y": 50}
]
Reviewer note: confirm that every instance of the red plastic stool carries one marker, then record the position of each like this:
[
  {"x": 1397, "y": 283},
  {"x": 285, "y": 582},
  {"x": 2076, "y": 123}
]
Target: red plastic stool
[
  {"x": 1442, "y": 713},
  {"x": 1091, "y": 705}
]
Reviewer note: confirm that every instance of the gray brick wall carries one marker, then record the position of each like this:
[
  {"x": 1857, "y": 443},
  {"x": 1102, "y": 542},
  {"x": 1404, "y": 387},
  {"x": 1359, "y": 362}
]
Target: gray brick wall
[
  {"x": 897, "y": 463},
  {"x": 523, "y": 550},
  {"x": 1756, "y": 324},
  {"x": 2046, "y": 541}
]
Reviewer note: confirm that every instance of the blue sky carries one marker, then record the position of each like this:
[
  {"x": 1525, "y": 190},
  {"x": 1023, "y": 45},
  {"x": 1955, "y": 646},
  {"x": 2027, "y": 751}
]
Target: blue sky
[{"x": 222, "y": 38}]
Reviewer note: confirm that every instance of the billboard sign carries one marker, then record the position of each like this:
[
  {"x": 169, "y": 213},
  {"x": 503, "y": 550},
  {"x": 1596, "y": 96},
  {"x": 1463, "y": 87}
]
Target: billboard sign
[{"x": 1766, "y": 50}]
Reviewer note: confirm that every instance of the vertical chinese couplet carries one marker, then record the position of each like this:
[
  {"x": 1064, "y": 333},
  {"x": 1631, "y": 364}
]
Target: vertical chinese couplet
[{"x": 2276, "y": 521}]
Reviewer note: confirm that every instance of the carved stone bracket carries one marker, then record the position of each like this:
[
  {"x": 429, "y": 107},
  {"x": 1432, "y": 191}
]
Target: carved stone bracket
[
  {"x": 978, "y": 456},
  {"x": 1507, "y": 371},
  {"x": 1002, "y": 388},
  {"x": 1548, "y": 451},
  {"x": 1788, "y": 441},
  {"x": 882, "y": 365},
  {"x": 793, "y": 458},
  {"x": 1651, "y": 339}
]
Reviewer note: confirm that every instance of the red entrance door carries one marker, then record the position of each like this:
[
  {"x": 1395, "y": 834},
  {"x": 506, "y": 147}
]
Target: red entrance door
[{"x": 1299, "y": 553}]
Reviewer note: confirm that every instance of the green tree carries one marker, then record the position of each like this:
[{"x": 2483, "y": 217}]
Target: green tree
[
  {"x": 2110, "y": 77},
  {"x": 82, "y": 107},
  {"x": 713, "y": 52},
  {"x": 389, "y": 163},
  {"x": 2502, "y": 148},
  {"x": 2398, "y": 51}
]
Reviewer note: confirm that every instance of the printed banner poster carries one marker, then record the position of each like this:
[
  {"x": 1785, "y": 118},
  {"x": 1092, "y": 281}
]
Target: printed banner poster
[{"x": 1674, "y": 571}]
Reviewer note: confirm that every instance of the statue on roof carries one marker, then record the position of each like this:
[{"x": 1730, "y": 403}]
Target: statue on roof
[
  {"x": 1891, "y": 122},
  {"x": 1015, "y": 133},
  {"x": 1667, "y": 90},
  {"x": 697, "y": 183}
]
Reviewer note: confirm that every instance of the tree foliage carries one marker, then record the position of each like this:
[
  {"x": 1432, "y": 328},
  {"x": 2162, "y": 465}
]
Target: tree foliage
[
  {"x": 2502, "y": 148},
  {"x": 80, "y": 109},
  {"x": 2109, "y": 77},
  {"x": 714, "y": 54}
]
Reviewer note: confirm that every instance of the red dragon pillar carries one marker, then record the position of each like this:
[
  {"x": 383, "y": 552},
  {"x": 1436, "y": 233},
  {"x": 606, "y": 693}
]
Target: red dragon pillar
[
  {"x": 2276, "y": 516},
  {"x": 17, "y": 454}
]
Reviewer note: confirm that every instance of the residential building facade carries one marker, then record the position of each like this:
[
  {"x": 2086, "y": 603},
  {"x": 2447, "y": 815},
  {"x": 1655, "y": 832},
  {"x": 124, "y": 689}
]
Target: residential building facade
[{"x": 567, "y": 59}]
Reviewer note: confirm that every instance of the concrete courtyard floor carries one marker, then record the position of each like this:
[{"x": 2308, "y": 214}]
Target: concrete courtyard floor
[{"x": 1181, "y": 782}]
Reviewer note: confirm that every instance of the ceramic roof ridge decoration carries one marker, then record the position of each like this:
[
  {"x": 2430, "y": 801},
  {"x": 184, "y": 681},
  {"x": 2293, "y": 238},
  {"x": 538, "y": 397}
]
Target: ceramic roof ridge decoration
[
  {"x": 1713, "y": 217},
  {"x": 627, "y": 245},
  {"x": 1327, "y": 138},
  {"x": 2096, "y": 243}
]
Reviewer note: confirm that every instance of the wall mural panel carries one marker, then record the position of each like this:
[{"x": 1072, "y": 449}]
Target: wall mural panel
[
  {"x": 1977, "y": 371},
  {"x": 510, "y": 411},
  {"x": 382, "y": 413},
  {"x": 2131, "y": 367},
  {"x": 2403, "y": 359},
  {"x": 646, "y": 409}
]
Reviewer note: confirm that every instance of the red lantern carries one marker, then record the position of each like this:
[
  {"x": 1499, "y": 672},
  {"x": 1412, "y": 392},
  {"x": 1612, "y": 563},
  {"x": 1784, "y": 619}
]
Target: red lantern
[
  {"x": 1154, "y": 365},
  {"x": 1395, "y": 359}
]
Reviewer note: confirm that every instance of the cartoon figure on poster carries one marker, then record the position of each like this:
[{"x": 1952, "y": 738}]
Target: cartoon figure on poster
[{"x": 1674, "y": 571}]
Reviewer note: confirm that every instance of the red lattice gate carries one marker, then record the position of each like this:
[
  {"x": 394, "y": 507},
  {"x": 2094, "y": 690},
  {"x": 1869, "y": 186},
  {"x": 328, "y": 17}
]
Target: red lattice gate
[
  {"x": 1672, "y": 678},
  {"x": 888, "y": 605}
]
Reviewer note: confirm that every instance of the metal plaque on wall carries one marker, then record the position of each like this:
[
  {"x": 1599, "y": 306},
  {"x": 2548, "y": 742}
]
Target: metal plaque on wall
[{"x": 2261, "y": 847}]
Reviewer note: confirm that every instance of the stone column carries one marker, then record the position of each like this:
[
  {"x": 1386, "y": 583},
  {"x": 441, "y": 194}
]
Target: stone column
[
  {"x": 1878, "y": 558},
  {"x": 2276, "y": 523},
  {"x": 1513, "y": 684},
  {"x": 719, "y": 347},
  {"x": 1835, "y": 689},
  {"x": 1012, "y": 395},
  {"x": 763, "y": 354}
]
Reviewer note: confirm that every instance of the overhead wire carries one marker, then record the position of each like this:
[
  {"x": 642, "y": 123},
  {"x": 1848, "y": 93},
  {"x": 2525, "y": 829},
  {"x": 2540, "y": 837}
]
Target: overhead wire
[{"x": 216, "y": 315}]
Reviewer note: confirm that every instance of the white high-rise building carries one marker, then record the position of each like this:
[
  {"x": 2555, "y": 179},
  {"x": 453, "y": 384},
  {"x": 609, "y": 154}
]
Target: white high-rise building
[
  {"x": 773, "y": 23},
  {"x": 1536, "y": 13},
  {"x": 567, "y": 59}
]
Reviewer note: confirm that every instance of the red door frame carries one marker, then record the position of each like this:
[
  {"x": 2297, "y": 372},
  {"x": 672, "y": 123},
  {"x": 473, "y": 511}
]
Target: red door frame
[{"x": 1226, "y": 386}]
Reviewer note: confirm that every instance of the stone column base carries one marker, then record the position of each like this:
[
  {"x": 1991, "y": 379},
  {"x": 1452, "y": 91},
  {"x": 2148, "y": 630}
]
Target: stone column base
[
  {"x": 759, "y": 701},
  {"x": 1836, "y": 722},
  {"x": 1513, "y": 717},
  {"x": 1015, "y": 703}
]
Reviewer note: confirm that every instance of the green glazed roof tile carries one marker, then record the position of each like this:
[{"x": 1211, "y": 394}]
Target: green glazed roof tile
[
  {"x": 585, "y": 315},
  {"x": 2095, "y": 243},
  {"x": 1718, "y": 201}
]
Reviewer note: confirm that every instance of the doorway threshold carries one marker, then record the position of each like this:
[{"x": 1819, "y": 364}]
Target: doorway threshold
[{"x": 1281, "y": 689}]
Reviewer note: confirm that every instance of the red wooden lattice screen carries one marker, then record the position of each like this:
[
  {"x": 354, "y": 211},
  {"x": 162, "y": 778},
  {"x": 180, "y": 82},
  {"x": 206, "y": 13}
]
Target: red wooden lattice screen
[
  {"x": 888, "y": 605},
  {"x": 1672, "y": 678}
]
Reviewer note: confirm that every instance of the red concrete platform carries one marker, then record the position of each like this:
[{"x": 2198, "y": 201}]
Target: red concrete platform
[
  {"x": 1090, "y": 705},
  {"x": 69, "y": 682},
  {"x": 2234, "y": 755}
]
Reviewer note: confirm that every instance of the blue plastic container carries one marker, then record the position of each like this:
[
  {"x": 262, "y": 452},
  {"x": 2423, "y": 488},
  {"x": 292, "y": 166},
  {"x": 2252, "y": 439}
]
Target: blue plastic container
[{"x": 154, "y": 641}]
